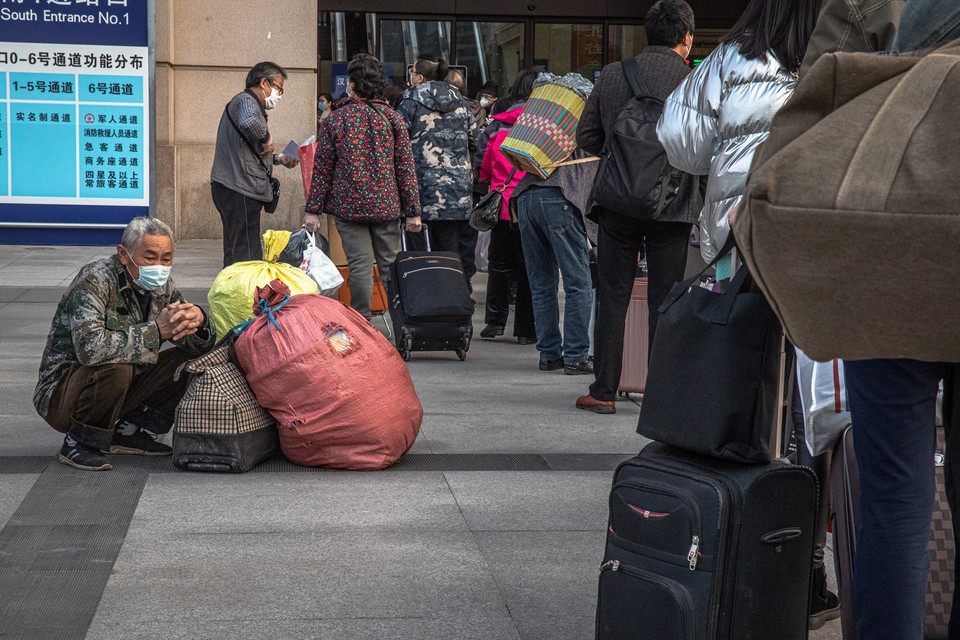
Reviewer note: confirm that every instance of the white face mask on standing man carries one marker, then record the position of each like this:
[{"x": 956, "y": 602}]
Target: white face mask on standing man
[{"x": 272, "y": 100}]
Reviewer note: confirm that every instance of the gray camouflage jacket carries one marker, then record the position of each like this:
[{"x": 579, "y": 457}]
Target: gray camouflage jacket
[
  {"x": 440, "y": 123},
  {"x": 99, "y": 321}
]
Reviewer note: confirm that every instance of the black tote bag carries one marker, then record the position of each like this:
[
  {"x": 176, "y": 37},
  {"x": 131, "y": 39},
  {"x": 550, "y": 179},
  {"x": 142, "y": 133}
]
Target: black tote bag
[{"x": 715, "y": 382}]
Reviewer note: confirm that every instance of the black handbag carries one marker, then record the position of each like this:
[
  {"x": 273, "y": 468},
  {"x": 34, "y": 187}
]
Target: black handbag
[
  {"x": 271, "y": 206},
  {"x": 486, "y": 213},
  {"x": 716, "y": 377}
]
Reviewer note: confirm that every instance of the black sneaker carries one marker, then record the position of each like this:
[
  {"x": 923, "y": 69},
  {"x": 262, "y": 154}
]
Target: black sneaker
[
  {"x": 82, "y": 457},
  {"x": 551, "y": 365},
  {"x": 824, "y": 604},
  {"x": 141, "y": 443},
  {"x": 491, "y": 331},
  {"x": 579, "y": 368}
]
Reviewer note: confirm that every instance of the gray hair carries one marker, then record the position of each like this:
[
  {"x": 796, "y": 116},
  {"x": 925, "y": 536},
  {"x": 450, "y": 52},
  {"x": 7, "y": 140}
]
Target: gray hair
[
  {"x": 143, "y": 226},
  {"x": 268, "y": 70}
]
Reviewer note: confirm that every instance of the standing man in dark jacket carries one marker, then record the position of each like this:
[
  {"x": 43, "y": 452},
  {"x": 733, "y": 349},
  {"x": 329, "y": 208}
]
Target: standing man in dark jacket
[
  {"x": 243, "y": 162},
  {"x": 669, "y": 26},
  {"x": 439, "y": 121}
]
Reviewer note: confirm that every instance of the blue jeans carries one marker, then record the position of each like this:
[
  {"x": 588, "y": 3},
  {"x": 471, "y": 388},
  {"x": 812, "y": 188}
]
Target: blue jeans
[
  {"x": 553, "y": 237},
  {"x": 892, "y": 404},
  {"x": 925, "y": 23}
]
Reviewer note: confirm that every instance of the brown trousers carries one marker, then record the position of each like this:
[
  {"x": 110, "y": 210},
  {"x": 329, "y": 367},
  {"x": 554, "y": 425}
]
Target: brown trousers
[{"x": 88, "y": 401}]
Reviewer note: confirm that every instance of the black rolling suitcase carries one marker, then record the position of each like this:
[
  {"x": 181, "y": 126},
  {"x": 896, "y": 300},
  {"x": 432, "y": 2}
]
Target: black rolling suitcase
[
  {"x": 700, "y": 548},
  {"x": 845, "y": 515},
  {"x": 429, "y": 302}
]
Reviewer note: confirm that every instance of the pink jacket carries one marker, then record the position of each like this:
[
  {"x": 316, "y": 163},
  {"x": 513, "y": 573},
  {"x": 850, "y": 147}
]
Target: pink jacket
[{"x": 495, "y": 167}]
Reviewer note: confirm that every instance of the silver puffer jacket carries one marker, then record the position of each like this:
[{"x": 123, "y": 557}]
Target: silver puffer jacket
[{"x": 714, "y": 121}]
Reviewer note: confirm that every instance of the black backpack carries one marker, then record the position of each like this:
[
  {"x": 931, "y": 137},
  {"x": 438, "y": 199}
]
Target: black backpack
[{"x": 635, "y": 178}]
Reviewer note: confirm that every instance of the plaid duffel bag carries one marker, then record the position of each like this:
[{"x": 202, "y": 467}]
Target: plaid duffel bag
[{"x": 218, "y": 424}]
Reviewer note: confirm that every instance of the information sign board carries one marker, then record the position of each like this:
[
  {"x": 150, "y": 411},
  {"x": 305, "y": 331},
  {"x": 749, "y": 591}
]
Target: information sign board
[{"x": 75, "y": 145}]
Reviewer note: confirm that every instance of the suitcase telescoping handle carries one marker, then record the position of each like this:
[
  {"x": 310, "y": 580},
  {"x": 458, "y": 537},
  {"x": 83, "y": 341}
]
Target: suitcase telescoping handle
[{"x": 403, "y": 235}]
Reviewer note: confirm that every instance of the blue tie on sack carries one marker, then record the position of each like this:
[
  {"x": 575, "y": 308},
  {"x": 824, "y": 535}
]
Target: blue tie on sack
[{"x": 262, "y": 304}]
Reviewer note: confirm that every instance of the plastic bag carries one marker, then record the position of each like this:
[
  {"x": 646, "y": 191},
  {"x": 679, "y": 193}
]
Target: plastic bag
[
  {"x": 231, "y": 295},
  {"x": 308, "y": 152},
  {"x": 338, "y": 389},
  {"x": 823, "y": 393},
  {"x": 482, "y": 253},
  {"x": 318, "y": 266},
  {"x": 292, "y": 254},
  {"x": 573, "y": 80}
]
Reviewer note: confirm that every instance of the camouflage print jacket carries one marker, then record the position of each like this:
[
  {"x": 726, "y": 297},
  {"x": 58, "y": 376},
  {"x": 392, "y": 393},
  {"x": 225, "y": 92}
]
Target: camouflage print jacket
[
  {"x": 99, "y": 321},
  {"x": 440, "y": 124}
]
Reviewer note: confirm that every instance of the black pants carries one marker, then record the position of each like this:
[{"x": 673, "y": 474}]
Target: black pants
[
  {"x": 619, "y": 241},
  {"x": 240, "y": 216},
  {"x": 507, "y": 265},
  {"x": 444, "y": 236},
  {"x": 89, "y": 400},
  {"x": 468, "y": 252}
]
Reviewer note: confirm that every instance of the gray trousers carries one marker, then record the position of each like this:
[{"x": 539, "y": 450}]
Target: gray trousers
[{"x": 362, "y": 243}]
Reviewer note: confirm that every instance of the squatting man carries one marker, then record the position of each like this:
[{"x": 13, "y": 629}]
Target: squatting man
[{"x": 104, "y": 380}]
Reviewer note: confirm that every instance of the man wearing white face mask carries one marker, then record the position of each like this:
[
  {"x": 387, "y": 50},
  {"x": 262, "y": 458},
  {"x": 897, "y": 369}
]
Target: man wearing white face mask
[
  {"x": 240, "y": 180},
  {"x": 103, "y": 379}
]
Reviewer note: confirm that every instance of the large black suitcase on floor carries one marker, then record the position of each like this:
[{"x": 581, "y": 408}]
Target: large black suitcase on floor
[
  {"x": 429, "y": 302},
  {"x": 703, "y": 549},
  {"x": 845, "y": 515}
]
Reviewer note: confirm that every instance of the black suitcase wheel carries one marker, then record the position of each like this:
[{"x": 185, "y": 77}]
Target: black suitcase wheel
[
  {"x": 462, "y": 354},
  {"x": 405, "y": 355}
]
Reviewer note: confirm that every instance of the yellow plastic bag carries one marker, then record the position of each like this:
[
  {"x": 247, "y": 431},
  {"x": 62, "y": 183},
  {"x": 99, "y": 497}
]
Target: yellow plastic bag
[{"x": 231, "y": 296}]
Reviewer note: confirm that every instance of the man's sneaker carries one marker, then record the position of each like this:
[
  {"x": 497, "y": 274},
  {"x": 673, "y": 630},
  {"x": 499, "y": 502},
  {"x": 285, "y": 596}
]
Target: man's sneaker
[
  {"x": 551, "y": 365},
  {"x": 141, "y": 443},
  {"x": 578, "y": 368},
  {"x": 82, "y": 457}
]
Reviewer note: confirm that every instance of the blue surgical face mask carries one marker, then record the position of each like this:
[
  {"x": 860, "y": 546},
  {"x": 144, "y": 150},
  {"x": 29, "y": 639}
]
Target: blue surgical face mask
[
  {"x": 321, "y": 106},
  {"x": 152, "y": 276}
]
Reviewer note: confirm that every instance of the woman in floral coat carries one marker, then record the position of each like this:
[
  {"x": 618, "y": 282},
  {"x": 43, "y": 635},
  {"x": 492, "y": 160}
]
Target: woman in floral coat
[{"x": 364, "y": 176}]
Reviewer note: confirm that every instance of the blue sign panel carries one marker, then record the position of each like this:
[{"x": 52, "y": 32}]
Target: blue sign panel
[
  {"x": 98, "y": 22},
  {"x": 74, "y": 119}
]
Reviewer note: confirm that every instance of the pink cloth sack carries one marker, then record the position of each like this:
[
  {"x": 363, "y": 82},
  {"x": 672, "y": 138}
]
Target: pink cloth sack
[{"x": 339, "y": 390}]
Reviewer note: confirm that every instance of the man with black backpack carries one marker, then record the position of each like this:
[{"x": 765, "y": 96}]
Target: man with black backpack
[{"x": 638, "y": 200}]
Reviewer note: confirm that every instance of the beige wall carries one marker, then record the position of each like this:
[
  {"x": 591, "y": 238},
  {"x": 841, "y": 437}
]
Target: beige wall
[{"x": 203, "y": 52}]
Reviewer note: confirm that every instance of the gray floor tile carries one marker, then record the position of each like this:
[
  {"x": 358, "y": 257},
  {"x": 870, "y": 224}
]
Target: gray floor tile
[
  {"x": 26, "y": 434},
  {"x": 13, "y": 488},
  {"x": 532, "y": 500},
  {"x": 342, "y": 575},
  {"x": 548, "y": 579},
  {"x": 459, "y": 626},
  {"x": 191, "y": 504}
]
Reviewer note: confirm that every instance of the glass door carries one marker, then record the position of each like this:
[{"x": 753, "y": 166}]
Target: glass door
[
  {"x": 490, "y": 51},
  {"x": 401, "y": 41}
]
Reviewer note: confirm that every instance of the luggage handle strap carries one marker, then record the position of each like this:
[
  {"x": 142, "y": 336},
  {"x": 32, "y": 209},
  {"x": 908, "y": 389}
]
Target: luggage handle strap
[
  {"x": 567, "y": 163},
  {"x": 873, "y": 169}
]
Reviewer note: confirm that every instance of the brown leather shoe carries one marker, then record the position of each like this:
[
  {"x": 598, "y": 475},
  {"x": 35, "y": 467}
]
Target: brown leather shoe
[{"x": 589, "y": 403}]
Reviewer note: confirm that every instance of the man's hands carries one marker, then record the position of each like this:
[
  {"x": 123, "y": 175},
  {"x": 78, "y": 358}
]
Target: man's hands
[
  {"x": 288, "y": 161},
  {"x": 179, "y": 320},
  {"x": 266, "y": 148},
  {"x": 413, "y": 224}
]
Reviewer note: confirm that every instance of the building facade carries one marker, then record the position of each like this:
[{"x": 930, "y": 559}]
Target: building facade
[{"x": 203, "y": 50}]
